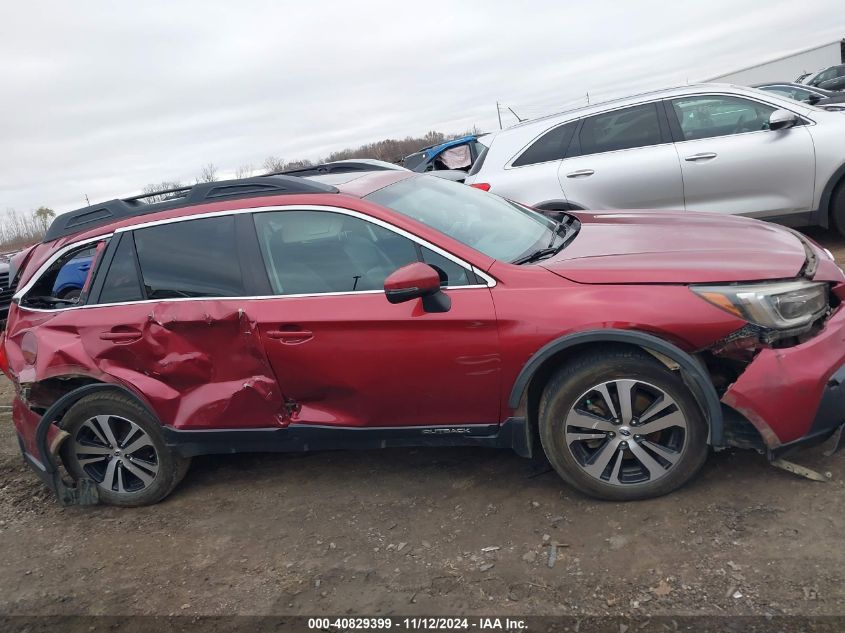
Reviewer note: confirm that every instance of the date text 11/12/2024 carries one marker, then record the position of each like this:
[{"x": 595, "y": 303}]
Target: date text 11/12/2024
[{"x": 416, "y": 624}]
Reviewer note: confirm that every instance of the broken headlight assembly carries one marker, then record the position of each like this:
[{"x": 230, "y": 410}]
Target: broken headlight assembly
[{"x": 789, "y": 307}]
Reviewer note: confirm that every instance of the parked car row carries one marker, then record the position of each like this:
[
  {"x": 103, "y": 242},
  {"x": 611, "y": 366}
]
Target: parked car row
[
  {"x": 830, "y": 78},
  {"x": 716, "y": 148}
]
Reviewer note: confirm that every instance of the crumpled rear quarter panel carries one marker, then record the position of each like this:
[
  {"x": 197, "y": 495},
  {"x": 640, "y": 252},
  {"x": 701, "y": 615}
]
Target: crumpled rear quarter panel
[{"x": 186, "y": 387}]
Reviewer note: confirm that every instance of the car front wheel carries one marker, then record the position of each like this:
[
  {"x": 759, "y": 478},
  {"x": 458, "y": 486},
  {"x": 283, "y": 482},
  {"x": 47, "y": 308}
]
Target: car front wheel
[
  {"x": 620, "y": 426},
  {"x": 117, "y": 444}
]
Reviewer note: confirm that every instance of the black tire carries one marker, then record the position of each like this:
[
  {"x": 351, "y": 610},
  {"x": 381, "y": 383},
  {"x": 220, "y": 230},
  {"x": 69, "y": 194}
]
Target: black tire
[
  {"x": 164, "y": 468},
  {"x": 837, "y": 208},
  {"x": 566, "y": 392}
]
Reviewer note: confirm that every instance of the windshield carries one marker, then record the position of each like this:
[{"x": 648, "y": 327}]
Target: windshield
[{"x": 487, "y": 223}]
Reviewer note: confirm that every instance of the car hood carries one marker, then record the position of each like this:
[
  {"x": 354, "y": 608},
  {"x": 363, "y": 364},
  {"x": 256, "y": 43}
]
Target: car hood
[{"x": 678, "y": 248}]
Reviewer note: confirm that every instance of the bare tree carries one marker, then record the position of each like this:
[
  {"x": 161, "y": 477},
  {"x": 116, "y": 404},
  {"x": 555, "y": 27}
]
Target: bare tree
[
  {"x": 272, "y": 164},
  {"x": 208, "y": 173},
  {"x": 18, "y": 230},
  {"x": 298, "y": 164},
  {"x": 245, "y": 171},
  {"x": 164, "y": 185}
]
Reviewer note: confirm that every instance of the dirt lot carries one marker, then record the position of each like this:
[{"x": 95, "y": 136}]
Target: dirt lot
[{"x": 412, "y": 532}]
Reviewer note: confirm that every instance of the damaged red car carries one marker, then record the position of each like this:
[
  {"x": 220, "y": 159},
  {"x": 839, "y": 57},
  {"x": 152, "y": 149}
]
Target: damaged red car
[{"x": 384, "y": 308}]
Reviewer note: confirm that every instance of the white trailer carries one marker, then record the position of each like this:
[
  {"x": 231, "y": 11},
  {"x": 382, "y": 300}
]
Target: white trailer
[{"x": 787, "y": 67}]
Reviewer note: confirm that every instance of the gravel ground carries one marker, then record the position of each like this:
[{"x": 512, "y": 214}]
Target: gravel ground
[{"x": 424, "y": 532}]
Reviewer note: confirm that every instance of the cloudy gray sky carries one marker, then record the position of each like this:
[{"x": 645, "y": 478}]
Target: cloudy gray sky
[{"x": 100, "y": 98}]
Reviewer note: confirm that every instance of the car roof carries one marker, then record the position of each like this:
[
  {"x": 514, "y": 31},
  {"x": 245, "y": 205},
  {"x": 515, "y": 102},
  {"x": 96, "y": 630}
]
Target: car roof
[
  {"x": 193, "y": 200},
  {"x": 364, "y": 184},
  {"x": 791, "y": 84},
  {"x": 309, "y": 190},
  {"x": 535, "y": 126},
  {"x": 107, "y": 213}
]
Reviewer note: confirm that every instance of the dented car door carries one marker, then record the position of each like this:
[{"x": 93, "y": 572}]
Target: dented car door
[
  {"x": 343, "y": 355},
  {"x": 168, "y": 314}
]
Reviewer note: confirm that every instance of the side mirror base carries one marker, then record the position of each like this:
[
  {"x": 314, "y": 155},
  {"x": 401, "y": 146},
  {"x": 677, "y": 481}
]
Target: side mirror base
[
  {"x": 437, "y": 302},
  {"x": 417, "y": 281}
]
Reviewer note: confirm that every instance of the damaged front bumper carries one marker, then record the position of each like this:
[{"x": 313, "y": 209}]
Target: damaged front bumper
[{"x": 795, "y": 396}]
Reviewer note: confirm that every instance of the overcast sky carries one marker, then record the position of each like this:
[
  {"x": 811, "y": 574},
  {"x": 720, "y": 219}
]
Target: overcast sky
[{"x": 101, "y": 98}]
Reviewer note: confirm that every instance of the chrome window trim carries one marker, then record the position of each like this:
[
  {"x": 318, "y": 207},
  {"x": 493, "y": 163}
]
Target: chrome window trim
[{"x": 489, "y": 282}]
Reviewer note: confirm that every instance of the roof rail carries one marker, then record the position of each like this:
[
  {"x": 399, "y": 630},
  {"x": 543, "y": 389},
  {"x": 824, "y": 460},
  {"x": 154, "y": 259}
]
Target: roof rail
[
  {"x": 107, "y": 212},
  {"x": 338, "y": 167}
]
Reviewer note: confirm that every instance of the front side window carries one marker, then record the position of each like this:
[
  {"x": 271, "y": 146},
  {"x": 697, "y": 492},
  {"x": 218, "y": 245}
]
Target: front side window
[
  {"x": 551, "y": 146},
  {"x": 708, "y": 116},
  {"x": 192, "y": 258},
  {"x": 638, "y": 126},
  {"x": 489, "y": 224},
  {"x": 319, "y": 252}
]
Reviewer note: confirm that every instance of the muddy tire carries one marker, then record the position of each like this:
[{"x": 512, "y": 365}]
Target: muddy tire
[
  {"x": 619, "y": 425},
  {"x": 119, "y": 445}
]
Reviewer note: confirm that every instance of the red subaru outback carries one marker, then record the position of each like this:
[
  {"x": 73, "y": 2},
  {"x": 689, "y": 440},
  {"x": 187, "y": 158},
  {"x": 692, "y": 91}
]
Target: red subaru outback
[{"x": 379, "y": 309}]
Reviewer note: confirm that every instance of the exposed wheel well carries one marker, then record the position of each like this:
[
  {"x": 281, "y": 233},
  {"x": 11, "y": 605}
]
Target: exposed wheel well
[
  {"x": 44, "y": 393},
  {"x": 557, "y": 205},
  {"x": 826, "y": 208}
]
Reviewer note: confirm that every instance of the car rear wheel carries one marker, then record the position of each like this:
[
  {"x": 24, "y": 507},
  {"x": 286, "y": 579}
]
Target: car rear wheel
[
  {"x": 118, "y": 445},
  {"x": 621, "y": 426}
]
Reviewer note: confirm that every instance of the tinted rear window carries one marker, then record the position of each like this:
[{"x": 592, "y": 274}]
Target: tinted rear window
[
  {"x": 195, "y": 258},
  {"x": 551, "y": 146},
  {"x": 627, "y": 128}
]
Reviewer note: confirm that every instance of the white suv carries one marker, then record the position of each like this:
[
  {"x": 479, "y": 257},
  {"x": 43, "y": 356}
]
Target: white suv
[{"x": 716, "y": 148}]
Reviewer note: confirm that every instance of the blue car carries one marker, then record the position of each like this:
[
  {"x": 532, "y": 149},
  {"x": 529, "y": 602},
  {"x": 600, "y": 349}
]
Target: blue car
[
  {"x": 457, "y": 154},
  {"x": 71, "y": 278}
]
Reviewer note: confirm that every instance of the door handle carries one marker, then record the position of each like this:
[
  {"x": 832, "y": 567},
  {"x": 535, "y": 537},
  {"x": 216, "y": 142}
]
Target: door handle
[
  {"x": 120, "y": 337},
  {"x": 581, "y": 173},
  {"x": 291, "y": 336},
  {"x": 702, "y": 156}
]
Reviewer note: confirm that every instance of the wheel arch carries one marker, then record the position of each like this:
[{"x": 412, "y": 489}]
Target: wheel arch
[
  {"x": 535, "y": 373},
  {"x": 557, "y": 205},
  {"x": 82, "y": 386},
  {"x": 825, "y": 202}
]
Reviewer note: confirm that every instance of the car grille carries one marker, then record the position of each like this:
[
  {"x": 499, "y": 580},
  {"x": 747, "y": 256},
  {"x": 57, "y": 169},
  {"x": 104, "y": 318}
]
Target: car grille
[{"x": 5, "y": 294}]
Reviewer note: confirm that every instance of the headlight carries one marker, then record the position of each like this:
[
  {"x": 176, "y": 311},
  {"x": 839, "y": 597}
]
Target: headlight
[{"x": 779, "y": 305}]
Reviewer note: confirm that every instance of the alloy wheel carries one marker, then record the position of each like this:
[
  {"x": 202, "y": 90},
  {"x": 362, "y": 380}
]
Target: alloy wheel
[
  {"x": 116, "y": 453},
  {"x": 625, "y": 432}
]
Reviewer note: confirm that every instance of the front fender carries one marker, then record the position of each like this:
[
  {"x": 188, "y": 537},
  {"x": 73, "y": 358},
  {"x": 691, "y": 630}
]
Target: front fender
[{"x": 693, "y": 373}]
